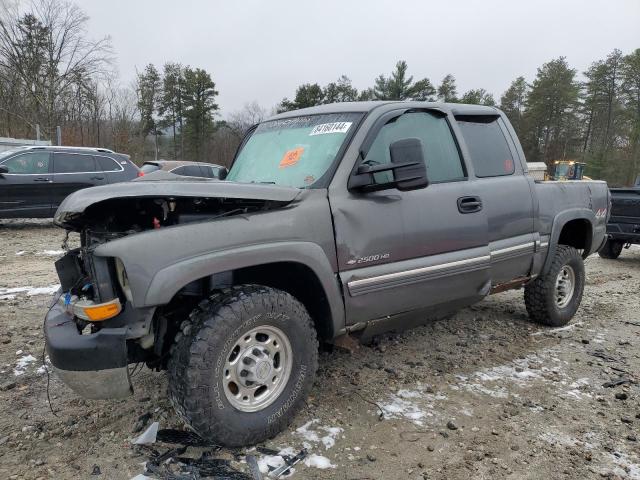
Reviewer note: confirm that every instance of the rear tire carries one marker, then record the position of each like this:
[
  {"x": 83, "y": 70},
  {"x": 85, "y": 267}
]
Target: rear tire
[
  {"x": 611, "y": 249},
  {"x": 553, "y": 299},
  {"x": 243, "y": 365}
]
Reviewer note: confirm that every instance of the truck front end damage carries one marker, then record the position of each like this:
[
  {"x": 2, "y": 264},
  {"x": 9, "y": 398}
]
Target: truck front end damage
[
  {"x": 97, "y": 327},
  {"x": 86, "y": 342}
]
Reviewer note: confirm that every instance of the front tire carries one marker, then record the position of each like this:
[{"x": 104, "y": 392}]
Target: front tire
[
  {"x": 553, "y": 299},
  {"x": 243, "y": 365},
  {"x": 611, "y": 249}
]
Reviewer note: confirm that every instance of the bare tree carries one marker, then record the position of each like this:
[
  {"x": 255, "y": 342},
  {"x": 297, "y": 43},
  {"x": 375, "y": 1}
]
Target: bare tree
[{"x": 46, "y": 49}]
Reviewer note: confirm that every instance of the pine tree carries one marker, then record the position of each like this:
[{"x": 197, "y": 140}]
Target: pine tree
[
  {"x": 630, "y": 92},
  {"x": 149, "y": 90},
  {"x": 199, "y": 108},
  {"x": 551, "y": 113},
  {"x": 478, "y": 96},
  {"x": 447, "y": 91},
  {"x": 170, "y": 107},
  {"x": 340, "y": 91},
  {"x": 512, "y": 103}
]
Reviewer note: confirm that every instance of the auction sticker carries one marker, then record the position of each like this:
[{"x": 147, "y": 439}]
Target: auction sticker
[
  {"x": 335, "y": 127},
  {"x": 291, "y": 157}
]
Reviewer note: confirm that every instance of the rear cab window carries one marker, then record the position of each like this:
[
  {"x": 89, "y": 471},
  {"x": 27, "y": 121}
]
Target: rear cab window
[{"x": 487, "y": 145}]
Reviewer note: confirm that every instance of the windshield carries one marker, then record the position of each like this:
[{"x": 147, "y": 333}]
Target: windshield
[{"x": 293, "y": 152}]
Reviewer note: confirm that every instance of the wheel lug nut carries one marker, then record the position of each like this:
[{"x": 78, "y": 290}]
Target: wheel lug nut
[{"x": 244, "y": 373}]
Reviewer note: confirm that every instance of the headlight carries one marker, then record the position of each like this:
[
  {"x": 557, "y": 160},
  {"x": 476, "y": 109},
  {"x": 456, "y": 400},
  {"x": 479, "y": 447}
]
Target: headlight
[{"x": 123, "y": 280}]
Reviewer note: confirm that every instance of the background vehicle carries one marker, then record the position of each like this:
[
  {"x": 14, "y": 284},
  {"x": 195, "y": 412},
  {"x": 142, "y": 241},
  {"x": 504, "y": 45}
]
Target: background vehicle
[
  {"x": 35, "y": 180},
  {"x": 567, "y": 170},
  {"x": 188, "y": 169},
  {"x": 623, "y": 229},
  {"x": 345, "y": 218}
]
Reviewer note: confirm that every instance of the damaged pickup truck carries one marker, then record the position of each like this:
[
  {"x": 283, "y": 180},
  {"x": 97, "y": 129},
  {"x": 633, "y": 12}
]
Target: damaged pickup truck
[{"x": 350, "y": 218}]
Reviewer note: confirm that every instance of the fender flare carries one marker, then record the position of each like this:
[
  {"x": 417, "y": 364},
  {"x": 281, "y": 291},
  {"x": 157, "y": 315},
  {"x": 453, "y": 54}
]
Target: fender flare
[
  {"x": 559, "y": 222},
  {"x": 169, "y": 280}
]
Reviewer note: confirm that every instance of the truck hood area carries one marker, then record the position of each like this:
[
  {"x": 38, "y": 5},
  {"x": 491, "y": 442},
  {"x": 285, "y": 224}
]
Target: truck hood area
[{"x": 162, "y": 199}]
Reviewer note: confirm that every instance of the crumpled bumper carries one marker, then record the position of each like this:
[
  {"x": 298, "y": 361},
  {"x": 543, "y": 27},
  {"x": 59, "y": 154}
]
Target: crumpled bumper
[{"x": 93, "y": 365}]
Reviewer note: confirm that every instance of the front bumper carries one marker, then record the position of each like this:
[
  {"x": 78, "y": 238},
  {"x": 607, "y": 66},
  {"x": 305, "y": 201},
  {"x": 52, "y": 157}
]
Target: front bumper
[{"x": 93, "y": 365}]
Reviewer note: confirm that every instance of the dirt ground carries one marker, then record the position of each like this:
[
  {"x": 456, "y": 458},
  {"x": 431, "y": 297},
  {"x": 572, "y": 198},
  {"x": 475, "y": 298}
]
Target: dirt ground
[{"x": 485, "y": 394}]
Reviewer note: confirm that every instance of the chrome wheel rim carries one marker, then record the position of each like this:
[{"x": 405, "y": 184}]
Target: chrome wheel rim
[
  {"x": 257, "y": 368},
  {"x": 565, "y": 286}
]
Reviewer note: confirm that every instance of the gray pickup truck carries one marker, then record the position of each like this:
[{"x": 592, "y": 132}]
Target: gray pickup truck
[{"x": 350, "y": 218}]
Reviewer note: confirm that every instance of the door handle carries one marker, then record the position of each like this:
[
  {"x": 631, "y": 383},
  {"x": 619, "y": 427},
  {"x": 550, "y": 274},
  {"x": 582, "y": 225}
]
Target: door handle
[
  {"x": 469, "y": 204},
  {"x": 97, "y": 178},
  {"x": 41, "y": 179}
]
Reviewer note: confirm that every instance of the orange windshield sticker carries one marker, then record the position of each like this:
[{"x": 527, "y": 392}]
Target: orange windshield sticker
[{"x": 291, "y": 157}]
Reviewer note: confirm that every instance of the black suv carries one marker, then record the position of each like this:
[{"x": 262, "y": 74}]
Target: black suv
[{"x": 35, "y": 180}]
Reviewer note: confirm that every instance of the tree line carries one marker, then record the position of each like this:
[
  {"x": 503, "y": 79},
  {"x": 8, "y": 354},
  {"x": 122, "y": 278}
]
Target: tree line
[
  {"x": 557, "y": 115},
  {"x": 52, "y": 73}
]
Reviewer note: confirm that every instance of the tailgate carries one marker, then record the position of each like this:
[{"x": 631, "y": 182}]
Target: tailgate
[{"x": 625, "y": 206}]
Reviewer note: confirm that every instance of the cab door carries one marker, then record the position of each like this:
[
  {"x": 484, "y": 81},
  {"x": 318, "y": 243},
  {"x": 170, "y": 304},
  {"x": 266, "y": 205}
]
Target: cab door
[
  {"x": 25, "y": 191},
  {"x": 72, "y": 172},
  {"x": 507, "y": 196},
  {"x": 400, "y": 252}
]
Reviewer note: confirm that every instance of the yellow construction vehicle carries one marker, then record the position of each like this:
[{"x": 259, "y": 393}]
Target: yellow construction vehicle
[{"x": 566, "y": 170}]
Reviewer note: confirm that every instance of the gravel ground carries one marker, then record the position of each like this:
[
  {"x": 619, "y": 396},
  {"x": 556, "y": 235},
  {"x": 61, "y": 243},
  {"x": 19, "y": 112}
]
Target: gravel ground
[{"x": 484, "y": 394}]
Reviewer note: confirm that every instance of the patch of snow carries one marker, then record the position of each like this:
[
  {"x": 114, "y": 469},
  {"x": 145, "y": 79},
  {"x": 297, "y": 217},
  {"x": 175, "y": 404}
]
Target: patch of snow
[
  {"x": 29, "y": 291},
  {"x": 559, "y": 439},
  {"x": 319, "y": 434},
  {"x": 22, "y": 364},
  {"x": 626, "y": 468},
  {"x": 50, "y": 253},
  {"x": 266, "y": 463},
  {"x": 21, "y": 252},
  {"x": 559, "y": 329},
  {"x": 318, "y": 461},
  {"x": 399, "y": 407}
]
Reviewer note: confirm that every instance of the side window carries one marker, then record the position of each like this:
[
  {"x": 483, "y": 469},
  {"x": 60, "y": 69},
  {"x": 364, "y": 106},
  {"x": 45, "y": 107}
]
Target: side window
[
  {"x": 440, "y": 151},
  {"x": 179, "y": 171},
  {"x": 107, "y": 164},
  {"x": 193, "y": 171},
  {"x": 72, "y": 163},
  {"x": 487, "y": 146},
  {"x": 29, "y": 163}
]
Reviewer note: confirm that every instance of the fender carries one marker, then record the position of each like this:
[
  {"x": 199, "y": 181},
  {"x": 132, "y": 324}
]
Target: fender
[
  {"x": 168, "y": 281},
  {"x": 559, "y": 222}
]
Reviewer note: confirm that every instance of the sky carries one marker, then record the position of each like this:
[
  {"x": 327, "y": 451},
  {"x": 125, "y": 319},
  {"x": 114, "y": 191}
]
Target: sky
[{"x": 262, "y": 50}]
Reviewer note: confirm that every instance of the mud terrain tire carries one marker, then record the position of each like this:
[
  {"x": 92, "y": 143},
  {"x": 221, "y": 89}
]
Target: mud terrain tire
[
  {"x": 611, "y": 249},
  {"x": 553, "y": 299},
  {"x": 218, "y": 339}
]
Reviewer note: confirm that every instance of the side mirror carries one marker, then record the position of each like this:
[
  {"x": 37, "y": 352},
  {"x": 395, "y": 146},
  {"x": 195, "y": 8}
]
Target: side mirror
[
  {"x": 222, "y": 173},
  {"x": 4, "y": 169},
  {"x": 408, "y": 166}
]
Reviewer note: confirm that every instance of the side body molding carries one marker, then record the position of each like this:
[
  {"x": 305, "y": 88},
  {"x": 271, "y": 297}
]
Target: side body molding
[{"x": 166, "y": 282}]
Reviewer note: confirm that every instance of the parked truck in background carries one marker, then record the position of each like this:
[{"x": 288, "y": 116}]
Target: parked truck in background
[
  {"x": 350, "y": 218},
  {"x": 623, "y": 229}
]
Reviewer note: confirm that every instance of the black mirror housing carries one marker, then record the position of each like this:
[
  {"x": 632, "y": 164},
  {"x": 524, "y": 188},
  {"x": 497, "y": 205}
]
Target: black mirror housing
[
  {"x": 408, "y": 166},
  {"x": 222, "y": 173},
  {"x": 4, "y": 169},
  {"x": 411, "y": 170}
]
